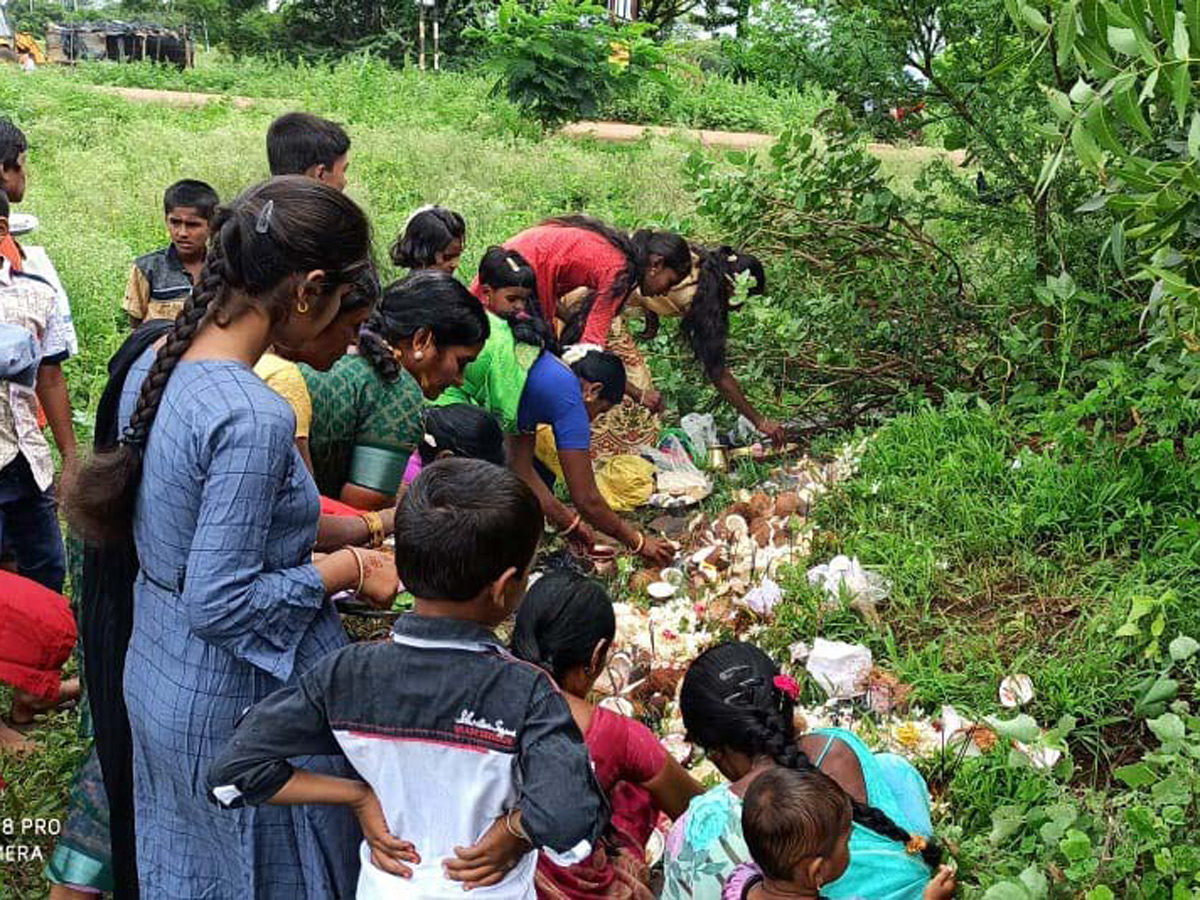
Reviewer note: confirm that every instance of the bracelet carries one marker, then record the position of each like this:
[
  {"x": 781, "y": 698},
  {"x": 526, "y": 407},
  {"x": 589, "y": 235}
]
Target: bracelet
[
  {"x": 374, "y": 528},
  {"x": 362, "y": 569},
  {"x": 574, "y": 524},
  {"x": 641, "y": 542},
  {"x": 518, "y": 832}
]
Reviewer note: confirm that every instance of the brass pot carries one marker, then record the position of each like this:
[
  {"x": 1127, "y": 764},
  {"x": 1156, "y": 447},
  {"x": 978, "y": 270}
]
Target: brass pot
[{"x": 718, "y": 460}]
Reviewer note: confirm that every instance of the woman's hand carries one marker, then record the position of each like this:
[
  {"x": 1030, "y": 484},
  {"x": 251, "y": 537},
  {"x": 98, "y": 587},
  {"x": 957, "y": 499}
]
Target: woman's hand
[
  {"x": 773, "y": 430},
  {"x": 583, "y": 538},
  {"x": 380, "y": 581},
  {"x": 388, "y": 852},
  {"x": 487, "y": 861},
  {"x": 388, "y": 518},
  {"x": 652, "y": 400},
  {"x": 941, "y": 886},
  {"x": 657, "y": 551}
]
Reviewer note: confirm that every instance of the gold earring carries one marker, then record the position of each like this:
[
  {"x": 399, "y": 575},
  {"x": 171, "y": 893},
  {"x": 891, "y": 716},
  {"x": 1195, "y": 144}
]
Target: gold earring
[
  {"x": 418, "y": 356},
  {"x": 302, "y": 306}
]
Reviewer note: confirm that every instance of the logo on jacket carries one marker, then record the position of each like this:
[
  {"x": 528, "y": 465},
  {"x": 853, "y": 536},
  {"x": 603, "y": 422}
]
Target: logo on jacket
[{"x": 468, "y": 724}]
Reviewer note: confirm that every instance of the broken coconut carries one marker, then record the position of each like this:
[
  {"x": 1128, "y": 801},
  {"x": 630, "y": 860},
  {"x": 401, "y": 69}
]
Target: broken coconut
[{"x": 661, "y": 590}]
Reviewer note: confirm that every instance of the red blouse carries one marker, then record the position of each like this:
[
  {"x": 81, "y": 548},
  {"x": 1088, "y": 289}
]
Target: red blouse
[{"x": 564, "y": 259}]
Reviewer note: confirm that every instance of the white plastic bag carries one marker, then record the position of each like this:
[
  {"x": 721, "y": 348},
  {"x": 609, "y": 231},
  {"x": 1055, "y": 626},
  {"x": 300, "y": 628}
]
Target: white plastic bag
[
  {"x": 701, "y": 430},
  {"x": 676, "y": 474},
  {"x": 840, "y": 669},
  {"x": 846, "y": 572}
]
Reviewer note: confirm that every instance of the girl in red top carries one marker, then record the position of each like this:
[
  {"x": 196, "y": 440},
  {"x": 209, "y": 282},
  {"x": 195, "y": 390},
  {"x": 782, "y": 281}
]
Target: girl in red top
[
  {"x": 578, "y": 251},
  {"x": 566, "y": 626}
]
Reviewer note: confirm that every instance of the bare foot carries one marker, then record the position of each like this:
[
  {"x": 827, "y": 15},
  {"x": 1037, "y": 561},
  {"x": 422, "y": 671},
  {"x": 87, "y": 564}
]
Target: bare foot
[{"x": 12, "y": 741}]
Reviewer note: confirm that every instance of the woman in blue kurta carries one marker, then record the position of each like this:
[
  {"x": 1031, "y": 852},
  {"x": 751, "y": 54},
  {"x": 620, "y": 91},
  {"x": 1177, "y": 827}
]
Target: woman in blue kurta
[{"x": 228, "y": 605}]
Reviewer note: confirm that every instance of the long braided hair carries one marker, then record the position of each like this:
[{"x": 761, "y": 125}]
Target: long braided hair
[
  {"x": 705, "y": 325},
  {"x": 284, "y": 227},
  {"x": 729, "y": 701}
]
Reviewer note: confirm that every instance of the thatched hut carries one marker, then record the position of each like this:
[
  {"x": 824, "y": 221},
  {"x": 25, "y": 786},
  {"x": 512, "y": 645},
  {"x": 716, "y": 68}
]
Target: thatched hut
[{"x": 119, "y": 41}]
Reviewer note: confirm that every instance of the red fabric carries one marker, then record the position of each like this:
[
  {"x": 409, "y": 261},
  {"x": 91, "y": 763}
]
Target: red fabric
[
  {"x": 564, "y": 259},
  {"x": 625, "y": 755},
  {"x": 11, "y": 250},
  {"x": 37, "y": 634},
  {"x": 331, "y": 507}
]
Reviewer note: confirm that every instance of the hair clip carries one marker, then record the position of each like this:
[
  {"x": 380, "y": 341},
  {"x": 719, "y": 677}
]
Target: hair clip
[
  {"x": 263, "y": 225},
  {"x": 576, "y": 352},
  {"x": 726, "y": 674},
  {"x": 430, "y": 440},
  {"x": 916, "y": 844},
  {"x": 512, "y": 264}
]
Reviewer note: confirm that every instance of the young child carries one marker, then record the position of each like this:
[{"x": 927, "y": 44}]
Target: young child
[
  {"x": 28, "y": 511},
  {"x": 797, "y": 825},
  {"x": 470, "y": 758},
  {"x": 12, "y": 181},
  {"x": 461, "y": 429},
  {"x": 508, "y": 286},
  {"x": 161, "y": 281},
  {"x": 433, "y": 238},
  {"x": 303, "y": 144}
]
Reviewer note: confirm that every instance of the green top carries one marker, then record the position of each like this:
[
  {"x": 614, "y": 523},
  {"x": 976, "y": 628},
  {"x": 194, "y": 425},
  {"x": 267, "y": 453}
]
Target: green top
[
  {"x": 363, "y": 428},
  {"x": 496, "y": 379}
]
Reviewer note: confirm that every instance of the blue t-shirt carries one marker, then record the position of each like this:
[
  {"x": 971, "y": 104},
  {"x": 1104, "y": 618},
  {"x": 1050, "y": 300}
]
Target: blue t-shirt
[{"x": 552, "y": 396}]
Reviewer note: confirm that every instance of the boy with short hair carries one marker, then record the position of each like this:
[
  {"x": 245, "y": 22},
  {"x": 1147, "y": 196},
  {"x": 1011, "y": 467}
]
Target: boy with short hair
[
  {"x": 28, "y": 512},
  {"x": 160, "y": 282},
  {"x": 303, "y": 144},
  {"x": 12, "y": 181},
  {"x": 471, "y": 758}
]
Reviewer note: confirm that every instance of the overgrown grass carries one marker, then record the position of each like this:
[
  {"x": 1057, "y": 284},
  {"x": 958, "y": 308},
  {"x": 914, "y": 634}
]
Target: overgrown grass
[
  {"x": 369, "y": 89},
  {"x": 1008, "y": 554}
]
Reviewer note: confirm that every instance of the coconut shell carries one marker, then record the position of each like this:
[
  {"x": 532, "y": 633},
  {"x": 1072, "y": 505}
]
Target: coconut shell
[
  {"x": 787, "y": 504},
  {"x": 640, "y": 580},
  {"x": 742, "y": 509},
  {"x": 762, "y": 534},
  {"x": 761, "y": 505}
]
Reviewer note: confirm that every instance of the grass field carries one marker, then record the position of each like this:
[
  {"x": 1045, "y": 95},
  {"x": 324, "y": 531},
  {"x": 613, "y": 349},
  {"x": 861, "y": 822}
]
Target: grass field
[{"x": 1005, "y": 555}]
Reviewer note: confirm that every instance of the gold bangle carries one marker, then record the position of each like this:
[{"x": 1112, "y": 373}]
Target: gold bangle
[
  {"x": 518, "y": 832},
  {"x": 641, "y": 542},
  {"x": 362, "y": 569},
  {"x": 574, "y": 524},
  {"x": 374, "y": 528}
]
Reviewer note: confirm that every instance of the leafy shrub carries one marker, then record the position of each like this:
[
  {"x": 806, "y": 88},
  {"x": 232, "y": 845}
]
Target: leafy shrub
[
  {"x": 564, "y": 62},
  {"x": 878, "y": 306}
]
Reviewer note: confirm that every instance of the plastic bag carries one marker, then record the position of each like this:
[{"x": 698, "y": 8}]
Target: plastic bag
[
  {"x": 865, "y": 588},
  {"x": 842, "y": 670},
  {"x": 702, "y": 432},
  {"x": 626, "y": 482},
  {"x": 676, "y": 474}
]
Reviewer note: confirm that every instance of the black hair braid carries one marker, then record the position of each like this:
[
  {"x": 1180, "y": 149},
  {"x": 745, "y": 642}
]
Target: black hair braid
[
  {"x": 776, "y": 735},
  {"x": 376, "y": 350},
  {"x": 881, "y": 823}
]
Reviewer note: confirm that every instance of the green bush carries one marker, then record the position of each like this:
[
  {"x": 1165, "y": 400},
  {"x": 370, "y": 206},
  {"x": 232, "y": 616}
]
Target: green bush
[{"x": 564, "y": 62}]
